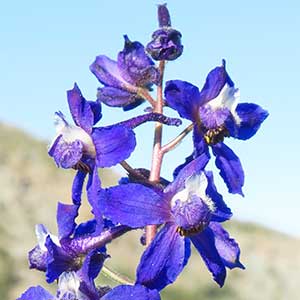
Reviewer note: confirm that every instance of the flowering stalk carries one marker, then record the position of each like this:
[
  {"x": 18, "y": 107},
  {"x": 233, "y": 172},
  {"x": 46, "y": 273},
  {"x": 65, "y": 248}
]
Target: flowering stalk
[
  {"x": 188, "y": 209},
  {"x": 157, "y": 155}
]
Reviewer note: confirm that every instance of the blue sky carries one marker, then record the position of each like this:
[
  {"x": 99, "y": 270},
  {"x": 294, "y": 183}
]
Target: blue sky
[{"x": 48, "y": 45}]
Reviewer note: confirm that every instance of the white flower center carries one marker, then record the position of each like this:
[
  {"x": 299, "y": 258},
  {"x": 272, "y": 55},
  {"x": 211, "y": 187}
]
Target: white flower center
[
  {"x": 70, "y": 133},
  {"x": 227, "y": 98},
  {"x": 42, "y": 232},
  {"x": 194, "y": 185}
]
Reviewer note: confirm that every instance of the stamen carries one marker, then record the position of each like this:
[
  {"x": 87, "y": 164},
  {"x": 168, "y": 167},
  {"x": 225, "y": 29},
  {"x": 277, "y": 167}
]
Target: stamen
[
  {"x": 216, "y": 135},
  {"x": 191, "y": 231}
]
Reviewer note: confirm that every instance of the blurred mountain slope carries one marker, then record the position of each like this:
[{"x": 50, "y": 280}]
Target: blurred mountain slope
[{"x": 31, "y": 185}]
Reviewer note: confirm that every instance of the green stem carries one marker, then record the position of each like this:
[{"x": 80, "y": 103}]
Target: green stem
[{"x": 116, "y": 276}]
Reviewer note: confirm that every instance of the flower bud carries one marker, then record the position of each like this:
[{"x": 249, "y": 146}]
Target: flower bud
[{"x": 166, "y": 41}]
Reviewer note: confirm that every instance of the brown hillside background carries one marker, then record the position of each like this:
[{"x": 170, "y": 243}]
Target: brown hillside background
[{"x": 31, "y": 185}]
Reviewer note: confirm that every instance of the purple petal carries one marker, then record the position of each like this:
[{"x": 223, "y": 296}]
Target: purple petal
[
  {"x": 134, "y": 104},
  {"x": 184, "y": 97},
  {"x": 215, "y": 81},
  {"x": 136, "y": 66},
  {"x": 205, "y": 244},
  {"x": 200, "y": 146},
  {"x": 230, "y": 168},
  {"x": 65, "y": 217},
  {"x": 116, "y": 97},
  {"x": 85, "y": 228},
  {"x": 58, "y": 261},
  {"x": 97, "y": 110},
  {"x": 252, "y": 116},
  {"x": 89, "y": 271},
  {"x": 129, "y": 292},
  {"x": 92, "y": 265},
  {"x": 66, "y": 155},
  {"x": 93, "y": 193},
  {"x": 38, "y": 259},
  {"x": 222, "y": 212},
  {"x": 107, "y": 72},
  {"x": 134, "y": 205},
  {"x": 180, "y": 167},
  {"x": 194, "y": 167},
  {"x": 113, "y": 144},
  {"x": 164, "y": 259},
  {"x": 80, "y": 109},
  {"x": 227, "y": 247},
  {"x": 36, "y": 293},
  {"x": 77, "y": 187}
]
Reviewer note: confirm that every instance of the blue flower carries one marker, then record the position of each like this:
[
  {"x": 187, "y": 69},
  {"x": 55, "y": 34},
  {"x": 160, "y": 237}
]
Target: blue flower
[
  {"x": 67, "y": 252},
  {"x": 76, "y": 144},
  {"x": 191, "y": 209},
  {"x": 84, "y": 147},
  {"x": 216, "y": 114},
  {"x": 122, "y": 79}
]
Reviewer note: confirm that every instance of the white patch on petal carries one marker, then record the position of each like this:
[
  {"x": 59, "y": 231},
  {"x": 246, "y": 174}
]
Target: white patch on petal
[
  {"x": 42, "y": 232},
  {"x": 71, "y": 133},
  {"x": 228, "y": 98},
  {"x": 194, "y": 185},
  {"x": 69, "y": 282}
]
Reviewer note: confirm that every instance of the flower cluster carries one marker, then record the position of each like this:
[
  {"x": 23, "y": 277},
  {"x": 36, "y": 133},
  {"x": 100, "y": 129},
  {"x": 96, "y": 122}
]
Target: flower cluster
[{"x": 173, "y": 214}]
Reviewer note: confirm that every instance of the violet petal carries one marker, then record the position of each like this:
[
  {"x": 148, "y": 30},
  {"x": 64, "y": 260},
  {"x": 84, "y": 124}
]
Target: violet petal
[
  {"x": 36, "y": 293},
  {"x": 93, "y": 194},
  {"x": 116, "y": 97},
  {"x": 80, "y": 109},
  {"x": 134, "y": 205},
  {"x": 184, "y": 97},
  {"x": 164, "y": 259},
  {"x": 222, "y": 211},
  {"x": 66, "y": 154},
  {"x": 205, "y": 244},
  {"x": 129, "y": 292},
  {"x": 107, "y": 72},
  {"x": 194, "y": 167},
  {"x": 252, "y": 116},
  {"x": 230, "y": 168},
  {"x": 215, "y": 81},
  {"x": 77, "y": 187},
  {"x": 113, "y": 144},
  {"x": 227, "y": 247},
  {"x": 37, "y": 258},
  {"x": 65, "y": 217},
  {"x": 136, "y": 66}
]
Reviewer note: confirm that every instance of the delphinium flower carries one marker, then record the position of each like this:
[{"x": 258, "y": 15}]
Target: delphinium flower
[
  {"x": 128, "y": 79},
  {"x": 51, "y": 255},
  {"x": 166, "y": 41},
  {"x": 75, "y": 245},
  {"x": 216, "y": 114},
  {"x": 75, "y": 144},
  {"x": 191, "y": 209},
  {"x": 84, "y": 147}
]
